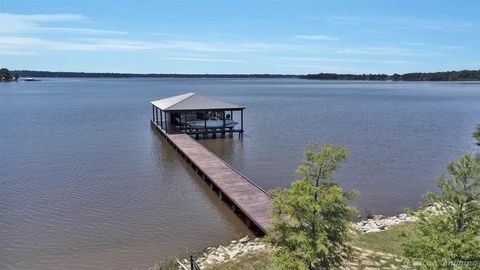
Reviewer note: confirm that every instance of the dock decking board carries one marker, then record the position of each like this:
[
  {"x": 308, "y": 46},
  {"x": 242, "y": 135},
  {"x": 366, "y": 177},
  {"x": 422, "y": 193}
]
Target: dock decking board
[{"x": 247, "y": 197}]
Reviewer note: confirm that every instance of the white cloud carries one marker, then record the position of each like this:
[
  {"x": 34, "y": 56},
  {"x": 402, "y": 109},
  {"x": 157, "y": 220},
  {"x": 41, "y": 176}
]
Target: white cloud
[
  {"x": 80, "y": 31},
  {"x": 437, "y": 46},
  {"x": 30, "y": 44},
  {"x": 21, "y": 44},
  {"x": 386, "y": 50},
  {"x": 404, "y": 23},
  {"x": 29, "y": 24},
  {"x": 20, "y": 27},
  {"x": 205, "y": 60},
  {"x": 314, "y": 37},
  {"x": 42, "y": 17},
  {"x": 346, "y": 60},
  {"x": 168, "y": 35}
]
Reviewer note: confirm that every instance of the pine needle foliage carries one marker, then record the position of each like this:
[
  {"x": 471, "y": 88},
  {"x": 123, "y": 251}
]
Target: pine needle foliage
[
  {"x": 311, "y": 228},
  {"x": 451, "y": 238}
]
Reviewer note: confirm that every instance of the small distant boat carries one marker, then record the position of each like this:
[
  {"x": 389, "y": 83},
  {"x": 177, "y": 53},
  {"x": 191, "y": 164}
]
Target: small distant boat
[{"x": 30, "y": 79}]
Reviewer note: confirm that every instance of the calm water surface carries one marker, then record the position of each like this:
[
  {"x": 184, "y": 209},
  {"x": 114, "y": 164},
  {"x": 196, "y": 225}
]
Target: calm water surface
[{"x": 86, "y": 183}]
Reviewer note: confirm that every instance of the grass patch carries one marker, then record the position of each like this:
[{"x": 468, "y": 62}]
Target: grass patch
[{"x": 389, "y": 241}]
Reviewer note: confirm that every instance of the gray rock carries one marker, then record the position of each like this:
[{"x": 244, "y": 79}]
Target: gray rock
[{"x": 244, "y": 239}]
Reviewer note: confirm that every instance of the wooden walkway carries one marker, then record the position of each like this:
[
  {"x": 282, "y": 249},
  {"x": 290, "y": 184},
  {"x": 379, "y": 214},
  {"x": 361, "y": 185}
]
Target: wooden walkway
[{"x": 245, "y": 197}]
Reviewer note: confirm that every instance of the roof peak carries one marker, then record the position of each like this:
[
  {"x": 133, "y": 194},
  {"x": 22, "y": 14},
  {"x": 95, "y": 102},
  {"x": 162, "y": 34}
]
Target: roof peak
[{"x": 193, "y": 101}]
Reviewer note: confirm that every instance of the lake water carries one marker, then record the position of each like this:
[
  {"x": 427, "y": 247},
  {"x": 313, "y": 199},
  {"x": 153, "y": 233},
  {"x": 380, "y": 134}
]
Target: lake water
[{"x": 86, "y": 183}]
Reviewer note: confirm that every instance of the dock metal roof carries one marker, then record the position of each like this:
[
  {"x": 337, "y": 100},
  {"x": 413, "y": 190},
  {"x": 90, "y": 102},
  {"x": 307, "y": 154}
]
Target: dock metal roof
[{"x": 193, "y": 102}]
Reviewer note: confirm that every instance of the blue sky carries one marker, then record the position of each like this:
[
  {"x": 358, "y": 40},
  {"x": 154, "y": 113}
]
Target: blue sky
[{"x": 263, "y": 36}]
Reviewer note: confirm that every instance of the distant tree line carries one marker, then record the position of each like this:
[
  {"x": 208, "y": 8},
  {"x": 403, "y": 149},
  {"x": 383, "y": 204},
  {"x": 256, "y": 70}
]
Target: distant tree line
[
  {"x": 7, "y": 76},
  {"x": 34, "y": 73},
  {"x": 335, "y": 76},
  {"x": 463, "y": 75}
]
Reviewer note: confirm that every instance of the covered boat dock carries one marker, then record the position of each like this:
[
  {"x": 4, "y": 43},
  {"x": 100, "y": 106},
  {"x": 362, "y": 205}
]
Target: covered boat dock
[
  {"x": 180, "y": 116},
  {"x": 195, "y": 114}
]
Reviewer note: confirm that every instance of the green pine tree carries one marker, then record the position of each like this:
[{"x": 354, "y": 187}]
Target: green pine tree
[
  {"x": 311, "y": 228},
  {"x": 451, "y": 240}
]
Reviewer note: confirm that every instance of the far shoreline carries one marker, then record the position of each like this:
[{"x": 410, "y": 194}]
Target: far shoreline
[{"x": 463, "y": 75}]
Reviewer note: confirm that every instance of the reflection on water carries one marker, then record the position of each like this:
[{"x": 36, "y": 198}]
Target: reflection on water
[{"x": 86, "y": 183}]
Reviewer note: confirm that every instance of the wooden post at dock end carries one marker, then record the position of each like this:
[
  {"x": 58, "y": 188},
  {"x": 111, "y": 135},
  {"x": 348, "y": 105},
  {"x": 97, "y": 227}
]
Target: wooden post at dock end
[
  {"x": 205, "y": 124},
  {"x": 166, "y": 123},
  {"x": 153, "y": 113},
  {"x": 161, "y": 119},
  {"x": 241, "y": 129},
  {"x": 223, "y": 127},
  {"x": 231, "y": 117}
]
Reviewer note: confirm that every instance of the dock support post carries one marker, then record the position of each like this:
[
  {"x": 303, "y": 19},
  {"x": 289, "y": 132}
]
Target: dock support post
[
  {"x": 231, "y": 118},
  {"x": 241, "y": 129},
  {"x": 166, "y": 123},
  {"x": 249, "y": 223},
  {"x": 220, "y": 194},
  {"x": 161, "y": 119},
  {"x": 205, "y": 125},
  {"x": 153, "y": 113},
  {"x": 223, "y": 127}
]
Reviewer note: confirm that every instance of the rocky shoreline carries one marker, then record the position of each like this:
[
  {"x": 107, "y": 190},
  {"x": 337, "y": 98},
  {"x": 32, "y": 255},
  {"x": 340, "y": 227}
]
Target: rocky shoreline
[
  {"x": 237, "y": 248},
  {"x": 222, "y": 254},
  {"x": 381, "y": 223}
]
